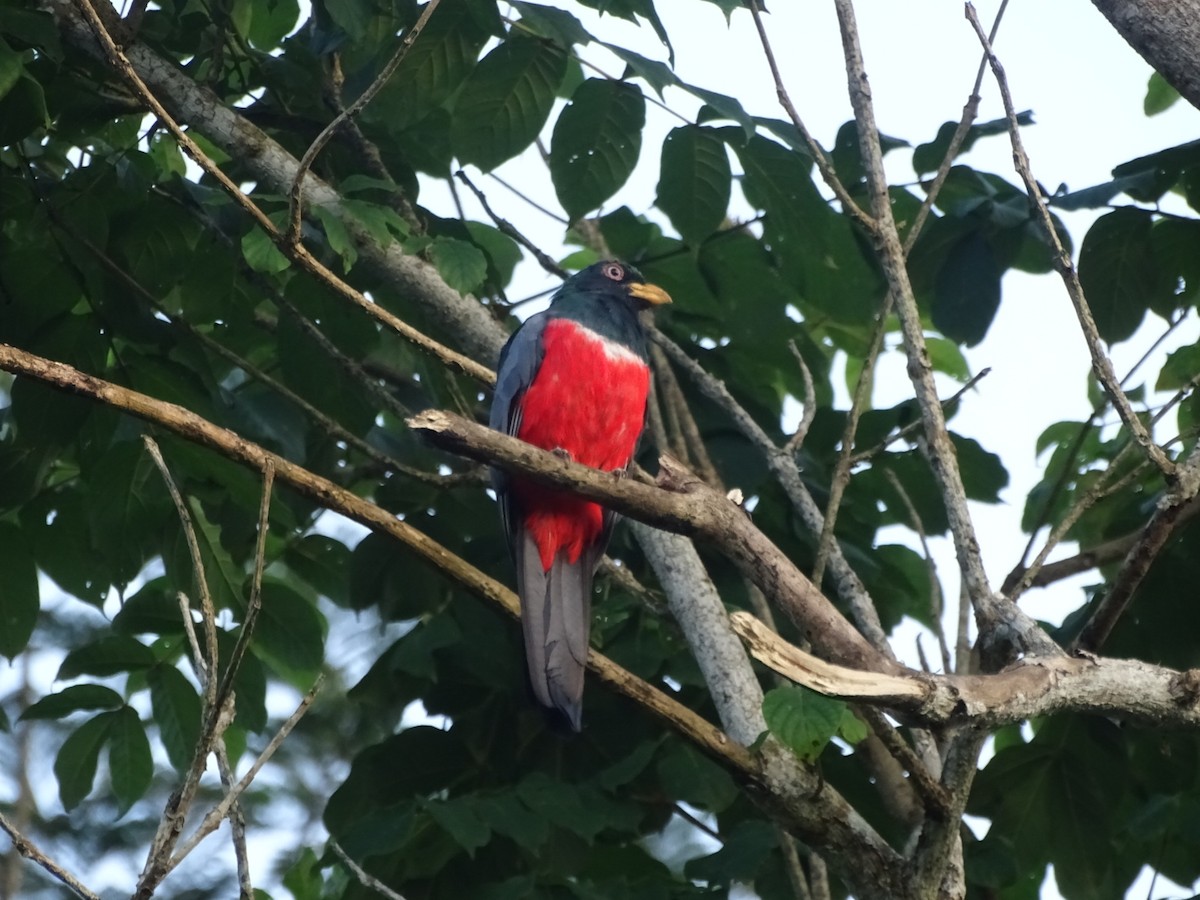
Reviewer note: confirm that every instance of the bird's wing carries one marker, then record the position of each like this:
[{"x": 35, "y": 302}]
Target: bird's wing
[{"x": 519, "y": 362}]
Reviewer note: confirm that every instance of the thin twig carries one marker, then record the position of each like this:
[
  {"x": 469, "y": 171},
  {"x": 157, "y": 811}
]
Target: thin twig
[
  {"x": 809, "y": 410},
  {"x": 936, "y": 603},
  {"x": 913, "y": 427},
  {"x": 824, "y": 166},
  {"x": 932, "y": 793},
  {"x": 507, "y": 227},
  {"x": 207, "y": 610},
  {"x": 28, "y": 849},
  {"x": 970, "y": 110},
  {"x": 215, "y": 815},
  {"x": 295, "y": 196},
  {"x": 237, "y": 825},
  {"x": 689, "y": 431},
  {"x": 841, "y": 470},
  {"x": 294, "y": 250},
  {"x": 365, "y": 878},
  {"x": 254, "y": 604},
  {"x": 1062, "y": 262}
]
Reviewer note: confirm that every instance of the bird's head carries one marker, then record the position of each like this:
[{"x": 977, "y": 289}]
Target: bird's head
[{"x": 616, "y": 280}]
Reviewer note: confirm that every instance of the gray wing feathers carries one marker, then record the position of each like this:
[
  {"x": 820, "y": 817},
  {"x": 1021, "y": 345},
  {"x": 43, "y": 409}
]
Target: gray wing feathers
[{"x": 556, "y": 608}]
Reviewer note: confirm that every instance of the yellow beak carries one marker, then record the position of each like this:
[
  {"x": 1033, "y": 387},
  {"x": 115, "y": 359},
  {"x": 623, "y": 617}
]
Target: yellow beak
[{"x": 651, "y": 293}]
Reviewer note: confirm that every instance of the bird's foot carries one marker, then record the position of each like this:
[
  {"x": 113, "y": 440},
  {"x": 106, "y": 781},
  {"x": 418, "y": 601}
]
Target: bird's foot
[{"x": 563, "y": 454}]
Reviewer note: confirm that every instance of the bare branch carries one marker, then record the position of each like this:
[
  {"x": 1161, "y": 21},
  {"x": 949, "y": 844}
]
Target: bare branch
[
  {"x": 1033, "y": 687},
  {"x": 970, "y": 110},
  {"x": 365, "y": 878},
  {"x": 687, "y": 506},
  {"x": 995, "y": 615},
  {"x": 809, "y": 412},
  {"x": 190, "y": 426},
  {"x": 295, "y": 196},
  {"x": 1061, "y": 260},
  {"x": 824, "y": 166},
  {"x": 507, "y": 227},
  {"x": 28, "y": 849},
  {"x": 215, "y": 815}
]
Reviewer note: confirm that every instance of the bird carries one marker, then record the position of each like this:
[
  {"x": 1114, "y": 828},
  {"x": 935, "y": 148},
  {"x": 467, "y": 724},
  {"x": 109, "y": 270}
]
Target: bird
[{"x": 575, "y": 380}]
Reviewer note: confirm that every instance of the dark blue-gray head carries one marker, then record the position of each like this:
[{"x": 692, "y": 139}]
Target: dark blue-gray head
[{"x": 613, "y": 281}]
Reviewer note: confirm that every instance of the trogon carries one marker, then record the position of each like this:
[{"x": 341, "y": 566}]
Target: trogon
[{"x": 574, "y": 380}]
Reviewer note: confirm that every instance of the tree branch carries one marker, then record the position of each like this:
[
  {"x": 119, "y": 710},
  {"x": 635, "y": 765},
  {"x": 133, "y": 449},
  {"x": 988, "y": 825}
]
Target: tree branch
[
  {"x": 1128, "y": 689},
  {"x": 995, "y": 615},
  {"x": 28, "y": 849},
  {"x": 1061, "y": 260},
  {"x": 192, "y": 427},
  {"x": 687, "y": 506}
]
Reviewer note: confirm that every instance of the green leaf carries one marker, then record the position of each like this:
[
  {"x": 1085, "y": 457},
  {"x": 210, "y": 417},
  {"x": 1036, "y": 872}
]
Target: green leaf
[
  {"x": 657, "y": 75},
  {"x": 927, "y": 157},
  {"x": 75, "y": 764},
  {"x": 324, "y": 563},
  {"x": 110, "y": 655},
  {"x": 72, "y": 699},
  {"x": 270, "y": 22},
  {"x": 130, "y": 765},
  {"x": 433, "y": 69},
  {"x": 336, "y": 234},
  {"x": 417, "y": 761},
  {"x": 19, "y": 598},
  {"x": 1160, "y": 96},
  {"x": 10, "y": 68},
  {"x": 947, "y": 358},
  {"x": 722, "y": 106},
  {"x": 303, "y": 878},
  {"x": 506, "y": 101},
  {"x": 291, "y": 631},
  {"x": 152, "y": 610},
  {"x": 1181, "y": 367},
  {"x": 689, "y": 776},
  {"x": 967, "y": 290},
  {"x": 557, "y": 24},
  {"x": 507, "y": 815},
  {"x": 459, "y": 819},
  {"x": 983, "y": 472},
  {"x": 261, "y": 254},
  {"x": 596, "y": 143},
  {"x": 694, "y": 181},
  {"x": 801, "y": 719},
  {"x": 177, "y": 712},
  {"x": 743, "y": 855},
  {"x": 461, "y": 265},
  {"x": 1116, "y": 268},
  {"x": 815, "y": 248}
]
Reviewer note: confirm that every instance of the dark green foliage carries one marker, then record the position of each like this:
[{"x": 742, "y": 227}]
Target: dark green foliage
[{"x": 114, "y": 260}]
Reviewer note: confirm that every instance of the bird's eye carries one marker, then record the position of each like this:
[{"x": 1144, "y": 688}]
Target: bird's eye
[{"x": 614, "y": 271}]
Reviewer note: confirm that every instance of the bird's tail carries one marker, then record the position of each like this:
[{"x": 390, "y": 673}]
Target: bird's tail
[{"x": 556, "y": 615}]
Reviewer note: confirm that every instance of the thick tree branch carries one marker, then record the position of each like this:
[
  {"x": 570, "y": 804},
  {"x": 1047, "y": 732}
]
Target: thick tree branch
[
  {"x": 192, "y": 427},
  {"x": 793, "y": 795},
  {"x": 1166, "y": 35},
  {"x": 687, "y": 506},
  {"x": 1127, "y": 689}
]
